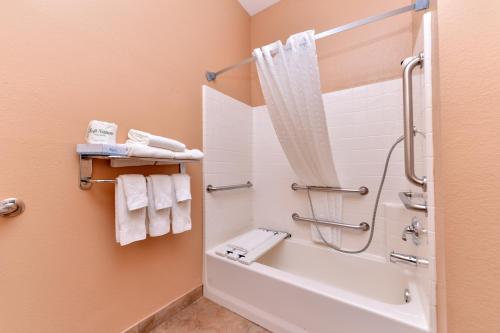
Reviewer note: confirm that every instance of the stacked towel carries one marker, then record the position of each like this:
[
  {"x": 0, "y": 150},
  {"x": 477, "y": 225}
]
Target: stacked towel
[
  {"x": 181, "y": 206},
  {"x": 160, "y": 203},
  {"x": 130, "y": 205},
  {"x": 155, "y": 141},
  {"x": 139, "y": 150},
  {"x": 251, "y": 245}
]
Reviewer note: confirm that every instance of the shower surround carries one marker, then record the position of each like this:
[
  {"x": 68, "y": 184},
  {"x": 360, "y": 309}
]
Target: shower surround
[{"x": 241, "y": 145}]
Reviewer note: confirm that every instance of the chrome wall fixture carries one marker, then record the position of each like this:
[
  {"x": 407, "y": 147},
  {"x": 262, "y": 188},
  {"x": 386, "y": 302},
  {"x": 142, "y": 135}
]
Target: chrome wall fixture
[
  {"x": 86, "y": 167},
  {"x": 409, "y": 129},
  {"x": 416, "y": 6},
  {"x": 363, "y": 226},
  {"x": 211, "y": 188},
  {"x": 408, "y": 259},
  {"x": 11, "y": 207},
  {"x": 363, "y": 190},
  {"x": 416, "y": 231}
]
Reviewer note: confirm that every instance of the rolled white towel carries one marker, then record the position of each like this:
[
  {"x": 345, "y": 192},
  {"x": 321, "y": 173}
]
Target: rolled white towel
[
  {"x": 189, "y": 154},
  {"x": 140, "y": 150},
  {"x": 155, "y": 140}
]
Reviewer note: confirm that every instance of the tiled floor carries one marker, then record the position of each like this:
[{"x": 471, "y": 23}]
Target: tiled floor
[{"x": 204, "y": 316}]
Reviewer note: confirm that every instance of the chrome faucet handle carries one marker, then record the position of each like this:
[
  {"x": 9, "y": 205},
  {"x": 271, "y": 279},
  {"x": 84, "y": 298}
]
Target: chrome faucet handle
[{"x": 415, "y": 229}]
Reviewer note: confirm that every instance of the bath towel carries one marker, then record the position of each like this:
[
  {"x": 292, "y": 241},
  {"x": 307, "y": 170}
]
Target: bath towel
[
  {"x": 130, "y": 224},
  {"x": 189, "y": 154},
  {"x": 181, "y": 205},
  {"x": 139, "y": 150},
  {"x": 159, "y": 187},
  {"x": 155, "y": 140}
]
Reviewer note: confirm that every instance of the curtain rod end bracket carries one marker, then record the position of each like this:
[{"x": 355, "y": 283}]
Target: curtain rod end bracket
[{"x": 211, "y": 76}]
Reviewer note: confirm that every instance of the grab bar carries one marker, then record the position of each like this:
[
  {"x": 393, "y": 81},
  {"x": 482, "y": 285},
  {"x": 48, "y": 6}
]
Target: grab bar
[
  {"x": 211, "y": 188},
  {"x": 406, "y": 199},
  {"x": 409, "y": 129},
  {"x": 363, "y": 226},
  {"x": 363, "y": 190}
]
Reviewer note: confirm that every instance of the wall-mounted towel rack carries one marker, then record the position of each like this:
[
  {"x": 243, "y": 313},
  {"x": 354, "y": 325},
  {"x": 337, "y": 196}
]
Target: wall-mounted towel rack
[
  {"x": 86, "y": 167},
  {"x": 363, "y": 190},
  {"x": 363, "y": 226},
  {"x": 211, "y": 188}
]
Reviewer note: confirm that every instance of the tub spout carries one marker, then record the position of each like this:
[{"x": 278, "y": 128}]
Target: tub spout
[{"x": 408, "y": 259}]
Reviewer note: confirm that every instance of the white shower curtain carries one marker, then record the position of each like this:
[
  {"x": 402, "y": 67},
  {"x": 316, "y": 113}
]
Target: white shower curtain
[{"x": 291, "y": 86}]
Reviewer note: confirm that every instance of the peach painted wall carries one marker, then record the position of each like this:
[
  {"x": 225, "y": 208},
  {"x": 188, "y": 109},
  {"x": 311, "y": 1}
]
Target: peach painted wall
[
  {"x": 467, "y": 175},
  {"x": 368, "y": 54},
  {"x": 140, "y": 64}
]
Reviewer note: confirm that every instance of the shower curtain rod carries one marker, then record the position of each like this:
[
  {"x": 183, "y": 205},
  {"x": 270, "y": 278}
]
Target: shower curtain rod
[{"x": 416, "y": 6}]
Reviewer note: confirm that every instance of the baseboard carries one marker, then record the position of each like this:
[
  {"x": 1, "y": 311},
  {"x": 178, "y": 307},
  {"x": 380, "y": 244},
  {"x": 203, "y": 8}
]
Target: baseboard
[{"x": 155, "y": 319}]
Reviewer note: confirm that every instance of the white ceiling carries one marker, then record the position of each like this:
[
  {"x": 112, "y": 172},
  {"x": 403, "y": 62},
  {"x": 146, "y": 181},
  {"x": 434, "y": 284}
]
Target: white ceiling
[{"x": 254, "y": 6}]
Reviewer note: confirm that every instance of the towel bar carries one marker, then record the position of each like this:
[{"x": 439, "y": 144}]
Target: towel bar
[
  {"x": 211, "y": 188},
  {"x": 363, "y": 190},
  {"x": 363, "y": 226},
  {"x": 86, "y": 167}
]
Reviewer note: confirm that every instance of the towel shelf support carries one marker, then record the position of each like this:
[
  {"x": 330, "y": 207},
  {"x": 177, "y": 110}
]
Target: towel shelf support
[
  {"x": 363, "y": 226},
  {"x": 363, "y": 190},
  {"x": 86, "y": 167}
]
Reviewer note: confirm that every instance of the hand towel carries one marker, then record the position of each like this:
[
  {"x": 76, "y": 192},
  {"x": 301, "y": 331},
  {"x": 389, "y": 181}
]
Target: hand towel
[
  {"x": 130, "y": 225},
  {"x": 135, "y": 191},
  {"x": 162, "y": 191},
  {"x": 155, "y": 141},
  {"x": 140, "y": 150},
  {"x": 158, "y": 218},
  {"x": 189, "y": 154},
  {"x": 181, "y": 205},
  {"x": 101, "y": 132}
]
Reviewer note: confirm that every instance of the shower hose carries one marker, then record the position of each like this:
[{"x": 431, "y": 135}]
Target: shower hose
[{"x": 375, "y": 208}]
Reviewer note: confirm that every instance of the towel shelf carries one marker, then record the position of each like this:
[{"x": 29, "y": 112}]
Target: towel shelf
[
  {"x": 363, "y": 190},
  {"x": 363, "y": 226},
  {"x": 211, "y": 188},
  {"x": 86, "y": 167}
]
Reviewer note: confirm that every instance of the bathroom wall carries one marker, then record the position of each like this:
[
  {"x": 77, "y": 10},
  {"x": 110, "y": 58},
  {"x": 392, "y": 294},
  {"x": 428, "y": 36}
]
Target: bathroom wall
[
  {"x": 468, "y": 163},
  {"x": 353, "y": 58},
  {"x": 140, "y": 64}
]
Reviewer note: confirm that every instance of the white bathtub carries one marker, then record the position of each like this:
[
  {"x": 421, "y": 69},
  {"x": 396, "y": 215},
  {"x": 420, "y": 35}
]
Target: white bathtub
[{"x": 301, "y": 288}]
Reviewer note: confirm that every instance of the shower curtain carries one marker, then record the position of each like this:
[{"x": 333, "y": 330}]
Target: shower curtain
[
  {"x": 289, "y": 77},
  {"x": 290, "y": 82}
]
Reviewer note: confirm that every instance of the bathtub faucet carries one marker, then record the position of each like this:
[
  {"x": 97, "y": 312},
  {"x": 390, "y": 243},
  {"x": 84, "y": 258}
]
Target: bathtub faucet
[{"x": 408, "y": 259}]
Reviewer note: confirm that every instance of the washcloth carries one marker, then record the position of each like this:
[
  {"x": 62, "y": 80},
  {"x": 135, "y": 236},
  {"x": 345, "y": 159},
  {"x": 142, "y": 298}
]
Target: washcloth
[
  {"x": 189, "y": 154},
  {"x": 101, "y": 132},
  {"x": 139, "y": 150},
  {"x": 135, "y": 191},
  {"x": 158, "y": 218},
  {"x": 155, "y": 141},
  {"x": 181, "y": 205},
  {"x": 130, "y": 225}
]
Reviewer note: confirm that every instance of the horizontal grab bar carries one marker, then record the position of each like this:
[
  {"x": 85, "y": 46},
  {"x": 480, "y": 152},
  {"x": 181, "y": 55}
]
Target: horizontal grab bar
[
  {"x": 363, "y": 226},
  {"x": 406, "y": 199},
  {"x": 211, "y": 188},
  {"x": 363, "y": 190}
]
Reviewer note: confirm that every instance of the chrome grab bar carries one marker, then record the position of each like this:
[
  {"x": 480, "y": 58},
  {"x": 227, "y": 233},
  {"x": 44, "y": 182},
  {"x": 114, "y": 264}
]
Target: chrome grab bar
[
  {"x": 363, "y": 190},
  {"x": 406, "y": 199},
  {"x": 363, "y": 226},
  {"x": 409, "y": 130},
  {"x": 211, "y": 188},
  {"x": 11, "y": 207}
]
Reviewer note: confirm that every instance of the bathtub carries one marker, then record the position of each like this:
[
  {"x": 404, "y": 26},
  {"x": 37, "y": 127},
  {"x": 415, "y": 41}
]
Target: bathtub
[{"x": 297, "y": 287}]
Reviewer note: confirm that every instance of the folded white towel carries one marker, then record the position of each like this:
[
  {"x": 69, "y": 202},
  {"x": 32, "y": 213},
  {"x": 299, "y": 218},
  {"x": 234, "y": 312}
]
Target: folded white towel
[
  {"x": 189, "y": 154},
  {"x": 158, "y": 218},
  {"x": 130, "y": 225},
  {"x": 101, "y": 132},
  {"x": 140, "y": 150},
  {"x": 250, "y": 240},
  {"x": 181, "y": 206},
  {"x": 155, "y": 141},
  {"x": 135, "y": 191}
]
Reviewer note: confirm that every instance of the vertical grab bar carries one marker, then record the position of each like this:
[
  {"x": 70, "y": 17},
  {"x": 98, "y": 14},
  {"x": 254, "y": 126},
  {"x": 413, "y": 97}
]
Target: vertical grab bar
[{"x": 409, "y": 65}]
